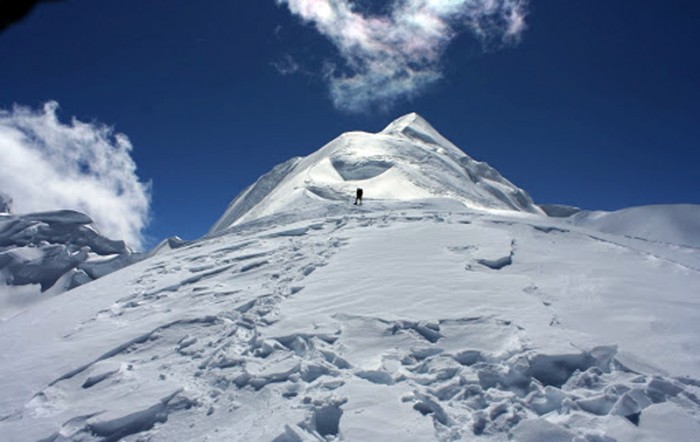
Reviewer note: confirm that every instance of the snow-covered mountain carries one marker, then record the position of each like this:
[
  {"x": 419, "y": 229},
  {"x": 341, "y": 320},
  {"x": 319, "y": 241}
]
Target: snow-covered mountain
[
  {"x": 446, "y": 307},
  {"x": 409, "y": 160}
]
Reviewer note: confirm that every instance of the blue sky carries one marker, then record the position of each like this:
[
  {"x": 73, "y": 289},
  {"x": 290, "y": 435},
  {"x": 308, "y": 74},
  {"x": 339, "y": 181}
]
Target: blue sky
[{"x": 596, "y": 104}]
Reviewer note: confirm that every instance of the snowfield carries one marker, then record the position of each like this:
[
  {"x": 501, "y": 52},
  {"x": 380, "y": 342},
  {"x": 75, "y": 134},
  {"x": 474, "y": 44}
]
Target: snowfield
[
  {"x": 418, "y": 316},
  {"x": 674, "y": 224}
]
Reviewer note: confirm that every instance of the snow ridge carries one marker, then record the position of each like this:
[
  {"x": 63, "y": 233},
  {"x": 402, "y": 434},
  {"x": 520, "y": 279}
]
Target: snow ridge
[{"x": 255, "y": 193}]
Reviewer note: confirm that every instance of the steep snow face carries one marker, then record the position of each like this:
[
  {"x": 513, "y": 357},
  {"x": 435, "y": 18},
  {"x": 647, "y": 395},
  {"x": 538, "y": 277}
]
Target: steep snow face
[
  {"x": 407, "y": 161},
  {"x": 54, "y": 251}
]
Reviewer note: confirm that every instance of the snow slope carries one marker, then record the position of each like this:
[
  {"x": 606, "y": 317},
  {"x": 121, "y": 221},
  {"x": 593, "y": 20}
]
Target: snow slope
[
  {"x": 403, "y": 320},
  {"x": 447, "y": 307},
  {"x": 408, "y": 160},
  {"x": 676, "y": 224}
]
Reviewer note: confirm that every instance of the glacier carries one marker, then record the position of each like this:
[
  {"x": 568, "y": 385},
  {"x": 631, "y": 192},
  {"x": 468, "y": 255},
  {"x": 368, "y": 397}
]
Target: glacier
[{"x": 447, "y": 307}]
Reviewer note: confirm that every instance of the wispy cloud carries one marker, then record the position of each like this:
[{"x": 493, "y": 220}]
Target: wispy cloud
[
  {"x": 286, "y": 65},
  {"x": 397, "y": 54},
  {"x": 47, "y": 165}
]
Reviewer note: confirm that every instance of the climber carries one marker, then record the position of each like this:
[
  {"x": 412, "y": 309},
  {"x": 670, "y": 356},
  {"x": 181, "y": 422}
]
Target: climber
[{"x": 358, "y": 197}]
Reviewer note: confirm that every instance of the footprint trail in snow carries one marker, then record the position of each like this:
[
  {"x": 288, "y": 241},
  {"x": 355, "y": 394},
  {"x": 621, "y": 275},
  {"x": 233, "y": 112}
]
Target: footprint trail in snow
[{"x": 386, "y": 325}]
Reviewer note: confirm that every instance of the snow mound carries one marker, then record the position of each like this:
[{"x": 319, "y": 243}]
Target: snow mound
[
  {"x": 407, "y": 161},
  {"x": 54, "y": 251},
  {"x": 676, "y": 224}
]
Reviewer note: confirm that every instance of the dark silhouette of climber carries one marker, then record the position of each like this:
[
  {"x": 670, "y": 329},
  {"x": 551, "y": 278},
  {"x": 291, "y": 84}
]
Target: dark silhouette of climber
[{"x": 358, "y": 197}]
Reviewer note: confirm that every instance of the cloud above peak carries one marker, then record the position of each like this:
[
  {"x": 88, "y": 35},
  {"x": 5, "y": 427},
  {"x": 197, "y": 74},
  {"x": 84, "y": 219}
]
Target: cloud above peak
[
  {"x": 397, "y": 54},
  {"x": 49, "y": 165}
]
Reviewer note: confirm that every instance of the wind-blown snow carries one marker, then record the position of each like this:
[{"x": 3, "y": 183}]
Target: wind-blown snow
[{"x": 408, "y": 160}]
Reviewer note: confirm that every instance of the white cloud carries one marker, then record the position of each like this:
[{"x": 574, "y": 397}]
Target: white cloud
[
  {"x": 396, "y": 55},
  {"x": 48, "y": 165}
]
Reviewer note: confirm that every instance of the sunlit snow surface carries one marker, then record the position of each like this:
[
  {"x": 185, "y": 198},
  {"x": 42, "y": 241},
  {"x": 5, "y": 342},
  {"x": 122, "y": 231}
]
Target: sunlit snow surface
[
  {"x": 446, "y": 307},
  {"x": 407, "y": 161},
  {"x": 391, "y": 321}
]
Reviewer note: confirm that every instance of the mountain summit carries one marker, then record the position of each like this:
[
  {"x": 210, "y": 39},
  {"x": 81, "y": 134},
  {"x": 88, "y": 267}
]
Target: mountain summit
[{"x": 409, "y": 160}]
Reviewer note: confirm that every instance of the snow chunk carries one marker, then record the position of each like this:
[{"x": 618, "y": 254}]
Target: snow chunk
[
  {"x": 59, "y": 217},
  {"x": 539, "y": 430},
  {"x": 5, "y": 204},
  {"x": 57, "y": 250}
]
